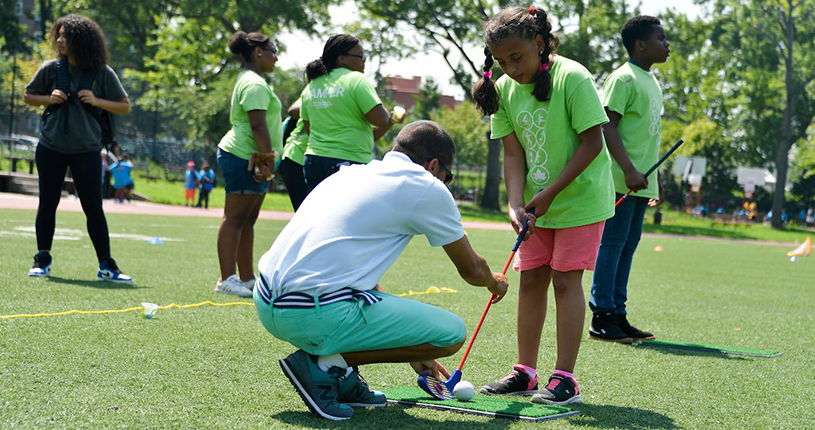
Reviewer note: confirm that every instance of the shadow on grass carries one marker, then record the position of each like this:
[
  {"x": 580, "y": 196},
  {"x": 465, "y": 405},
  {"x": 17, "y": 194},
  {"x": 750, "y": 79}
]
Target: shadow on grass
[
  {"x": 102, "y": 285},
  {"x": 689, "y": 352},
  {"x": 620, "y": 417},
  {"x": 392, "y": 417}
]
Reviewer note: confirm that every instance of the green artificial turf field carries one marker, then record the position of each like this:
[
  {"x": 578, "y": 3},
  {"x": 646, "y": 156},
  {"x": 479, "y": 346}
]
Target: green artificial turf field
[{"x": 213, "y": 367}]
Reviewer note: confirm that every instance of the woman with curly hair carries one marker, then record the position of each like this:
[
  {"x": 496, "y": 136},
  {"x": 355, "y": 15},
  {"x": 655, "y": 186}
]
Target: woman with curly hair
[{"x": 75, "y": 88}]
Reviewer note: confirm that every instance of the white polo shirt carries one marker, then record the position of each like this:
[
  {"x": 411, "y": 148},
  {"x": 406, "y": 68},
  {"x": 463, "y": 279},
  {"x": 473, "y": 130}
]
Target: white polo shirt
[{"x": 354, "y": 225}]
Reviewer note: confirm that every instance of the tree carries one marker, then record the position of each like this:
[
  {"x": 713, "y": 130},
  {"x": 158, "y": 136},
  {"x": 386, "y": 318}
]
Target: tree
[
  {"x": 773, "y": 42},
  {"x": 428, "y": 100}
]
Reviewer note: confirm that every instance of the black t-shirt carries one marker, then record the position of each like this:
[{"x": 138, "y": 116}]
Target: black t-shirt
[{"x": 84, "y": 133}]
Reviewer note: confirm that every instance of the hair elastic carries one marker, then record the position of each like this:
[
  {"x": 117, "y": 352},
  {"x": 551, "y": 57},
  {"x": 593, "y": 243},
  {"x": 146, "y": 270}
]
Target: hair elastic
[
  {"x": 544, "y": 67},
  {"x": 488, "y": 74},
  {"x": 532, "y": 10}
]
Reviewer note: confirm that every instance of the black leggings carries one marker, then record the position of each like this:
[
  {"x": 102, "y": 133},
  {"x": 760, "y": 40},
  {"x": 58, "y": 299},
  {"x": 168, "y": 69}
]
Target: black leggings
[
  {"x": 86, "y": 169},
  {"x": 295, "y": 181}
]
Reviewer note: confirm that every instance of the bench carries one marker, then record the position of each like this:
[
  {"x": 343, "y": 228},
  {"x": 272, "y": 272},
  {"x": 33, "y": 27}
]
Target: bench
[
  {"x": 15, "y": 160},
  {"x": 723, "y": 221}
]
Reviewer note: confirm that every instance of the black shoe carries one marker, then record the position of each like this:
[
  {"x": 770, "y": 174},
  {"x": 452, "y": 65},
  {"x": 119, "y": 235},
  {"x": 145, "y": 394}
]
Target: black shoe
[
  {"x": 559, "y": 391},
  {"x": 42, "y": 265},
  {"x": 605, "y": 327},
  {"x": 517, "y": 383},
  {"x": 632, "y": 331}
]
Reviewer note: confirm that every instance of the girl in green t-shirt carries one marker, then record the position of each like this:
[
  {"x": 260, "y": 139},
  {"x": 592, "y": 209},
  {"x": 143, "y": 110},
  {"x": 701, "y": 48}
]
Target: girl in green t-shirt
[
  {"x": 547, "y": 112},
  {"x": 246, "y": 157},
  {"x": 339, "y": 106}
]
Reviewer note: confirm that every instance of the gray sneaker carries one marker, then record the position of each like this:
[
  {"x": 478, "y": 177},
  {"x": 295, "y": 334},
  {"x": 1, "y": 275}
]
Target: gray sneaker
[
  {"x": 354, "y": 391},
  {"x": 318, "y": 389}
]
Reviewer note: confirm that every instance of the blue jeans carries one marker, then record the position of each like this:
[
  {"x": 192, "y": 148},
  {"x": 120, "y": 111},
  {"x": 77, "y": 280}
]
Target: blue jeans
[{"x": 609, "y": 287}]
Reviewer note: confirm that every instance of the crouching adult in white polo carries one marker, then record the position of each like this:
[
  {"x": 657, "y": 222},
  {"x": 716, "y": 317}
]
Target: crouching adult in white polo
[{"x": 319, "y": 289}]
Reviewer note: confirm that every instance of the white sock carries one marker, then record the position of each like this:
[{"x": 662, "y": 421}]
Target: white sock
[{"x": 325, "y": 362}]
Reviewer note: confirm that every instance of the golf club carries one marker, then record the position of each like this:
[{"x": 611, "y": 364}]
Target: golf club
[
  {"x": 654, "y": 167},
  {"x": 444, "y": 390}
]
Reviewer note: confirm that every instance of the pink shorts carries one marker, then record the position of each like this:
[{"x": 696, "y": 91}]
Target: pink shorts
[{"x": 562, "y": 249}]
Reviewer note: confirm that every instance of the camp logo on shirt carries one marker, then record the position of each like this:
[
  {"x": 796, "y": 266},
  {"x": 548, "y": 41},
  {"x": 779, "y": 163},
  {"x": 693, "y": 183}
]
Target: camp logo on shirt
[
  {"x": 534, "y": 137},
  {"x": 322, "y": 96},
  {"x": 656, "y": 118}
]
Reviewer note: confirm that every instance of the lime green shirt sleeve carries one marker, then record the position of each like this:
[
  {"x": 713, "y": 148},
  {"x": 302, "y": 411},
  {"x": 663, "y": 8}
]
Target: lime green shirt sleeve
[
  {"x": 305, "y": 101},
  {"x": 255, "y": 97},
  {"x": 365, "y": 95},
  {"x": 615, "y": 94},
  {"x": 500, "y": 125},
  {"x": 583, "y": 103}
]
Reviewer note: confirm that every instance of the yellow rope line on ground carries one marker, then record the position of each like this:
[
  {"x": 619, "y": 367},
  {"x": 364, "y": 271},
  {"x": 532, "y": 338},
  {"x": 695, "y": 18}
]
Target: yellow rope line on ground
[{"x": 430, "y": 290}]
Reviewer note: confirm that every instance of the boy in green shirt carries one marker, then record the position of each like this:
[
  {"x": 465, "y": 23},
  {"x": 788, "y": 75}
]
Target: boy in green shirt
[{"x": 633, "y": 102}]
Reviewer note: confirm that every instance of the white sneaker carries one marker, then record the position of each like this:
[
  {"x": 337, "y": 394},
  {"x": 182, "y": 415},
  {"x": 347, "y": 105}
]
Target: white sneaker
[{"x": 233, "y": 285}]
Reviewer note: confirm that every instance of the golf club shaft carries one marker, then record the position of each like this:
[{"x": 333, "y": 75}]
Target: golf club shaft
[
  {"x": 654, "y": 167},
  {"x": 492, "y": 296}
]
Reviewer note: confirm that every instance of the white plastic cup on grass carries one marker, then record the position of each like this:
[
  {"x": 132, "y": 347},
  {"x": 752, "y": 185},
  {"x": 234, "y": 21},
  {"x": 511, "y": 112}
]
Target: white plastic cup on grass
[{"x": 149, "y": 311}]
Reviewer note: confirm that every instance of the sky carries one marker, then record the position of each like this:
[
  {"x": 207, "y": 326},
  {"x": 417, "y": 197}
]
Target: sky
[{"x": 302, "y": 49}]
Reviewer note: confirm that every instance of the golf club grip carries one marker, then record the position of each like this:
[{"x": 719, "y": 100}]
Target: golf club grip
[
  {"x": 654, "y": 167},
  {"x": 492, "y": 296},
  {"x": 664, "y": 157}
]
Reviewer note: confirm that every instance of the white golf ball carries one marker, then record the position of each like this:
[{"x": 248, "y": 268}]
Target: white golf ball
[
  {"x": 793, "y": 259},
  {"x": 463, "y": 391}
]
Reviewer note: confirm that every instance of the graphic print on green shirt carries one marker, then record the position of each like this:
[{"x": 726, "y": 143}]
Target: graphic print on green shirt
[
  {"x": 635, "y": 94},
  {"x": 548, "y": 133},
  {"x": 335, "y": 106}
]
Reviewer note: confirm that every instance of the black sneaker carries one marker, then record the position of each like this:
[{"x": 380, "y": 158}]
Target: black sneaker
[
  {"x": 632, "y": 331},
  {"x": 517, "y": 383},
  {"x": 42, "y": 265},
  {"x": 560, "y": 391},
  {"x": 605, "y": 327}
]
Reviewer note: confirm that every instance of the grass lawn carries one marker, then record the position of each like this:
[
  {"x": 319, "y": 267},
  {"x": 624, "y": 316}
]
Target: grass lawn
[{"x": 215, "y": 367}]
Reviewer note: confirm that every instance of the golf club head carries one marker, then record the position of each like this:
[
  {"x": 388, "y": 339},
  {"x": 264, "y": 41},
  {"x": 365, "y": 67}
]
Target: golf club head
[
  {"x": 454, "y": 379},
  {"x": 434, "y": 387}
]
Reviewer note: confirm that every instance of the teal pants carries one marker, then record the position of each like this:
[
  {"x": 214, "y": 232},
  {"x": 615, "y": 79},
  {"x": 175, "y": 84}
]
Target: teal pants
[{"x": 393, "y": 322}]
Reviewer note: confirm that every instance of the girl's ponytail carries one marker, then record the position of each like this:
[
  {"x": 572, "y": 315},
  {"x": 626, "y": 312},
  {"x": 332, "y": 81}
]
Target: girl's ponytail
[
  {"x": 543, "y": 84},
  {"x": 315, "y": 69},
  {"x": 484, "y": 93}
]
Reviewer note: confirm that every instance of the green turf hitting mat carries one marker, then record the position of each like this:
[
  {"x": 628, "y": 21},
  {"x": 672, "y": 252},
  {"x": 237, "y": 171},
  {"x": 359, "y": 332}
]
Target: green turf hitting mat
[
  {"x": 764, "y": 353},
  {"x": 489, "y": 406}
]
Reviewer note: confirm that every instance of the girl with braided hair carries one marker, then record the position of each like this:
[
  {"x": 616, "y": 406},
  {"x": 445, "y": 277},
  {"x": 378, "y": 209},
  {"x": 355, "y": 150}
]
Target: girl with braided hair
[{"x": 547, "y": 112}]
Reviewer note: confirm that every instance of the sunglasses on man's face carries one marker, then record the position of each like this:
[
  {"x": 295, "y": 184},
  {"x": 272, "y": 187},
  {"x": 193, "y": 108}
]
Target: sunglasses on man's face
[{"x": 447, "y": 172}]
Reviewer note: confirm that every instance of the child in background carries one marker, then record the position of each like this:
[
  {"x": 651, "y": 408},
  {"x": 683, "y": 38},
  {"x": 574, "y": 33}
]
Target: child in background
[
  {"x": 122, "y": 181},
  {"x": 206, "y": 180},
  {"x": 548, "y": 114},
  {"x": 633, "y": 103},
  {"x": 190, "y": 184}
]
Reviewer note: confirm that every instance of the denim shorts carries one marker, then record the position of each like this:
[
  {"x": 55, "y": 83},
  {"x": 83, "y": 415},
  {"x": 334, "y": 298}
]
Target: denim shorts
[{"x": 238, "y": 180}]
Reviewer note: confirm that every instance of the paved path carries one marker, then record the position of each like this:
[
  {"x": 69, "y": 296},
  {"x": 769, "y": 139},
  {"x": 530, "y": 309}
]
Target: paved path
[{"x": 71, "y": 204}]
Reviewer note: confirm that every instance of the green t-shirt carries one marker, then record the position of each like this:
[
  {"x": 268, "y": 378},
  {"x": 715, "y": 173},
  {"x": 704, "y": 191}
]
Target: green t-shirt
[
  {"x": 548, "y": 134},
  {"x": 335, "y": 106},
  {"x": 295, "y": 148},
  {"x": 252, "y": 93},
  {"x": 635, "y": 94}
]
